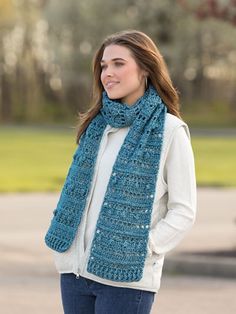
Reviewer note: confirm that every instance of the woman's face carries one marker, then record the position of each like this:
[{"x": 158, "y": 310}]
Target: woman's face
[{"x": 121, "y": 77}]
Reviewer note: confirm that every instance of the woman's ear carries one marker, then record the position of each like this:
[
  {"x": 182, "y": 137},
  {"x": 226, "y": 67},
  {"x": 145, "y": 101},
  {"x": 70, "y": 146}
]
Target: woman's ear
[{"x": 145, "y": 73}]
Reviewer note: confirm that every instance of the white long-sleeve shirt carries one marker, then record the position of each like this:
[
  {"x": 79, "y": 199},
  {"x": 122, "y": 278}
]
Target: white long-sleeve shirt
[{"x": 174, "y": 206}]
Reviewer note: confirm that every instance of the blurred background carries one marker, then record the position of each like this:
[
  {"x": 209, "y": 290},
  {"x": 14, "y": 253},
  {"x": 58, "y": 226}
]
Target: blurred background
[{"x": 46, "y": 51}]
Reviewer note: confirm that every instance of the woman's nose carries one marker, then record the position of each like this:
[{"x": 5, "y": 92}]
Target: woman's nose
[{"x": 109, "y": 72}]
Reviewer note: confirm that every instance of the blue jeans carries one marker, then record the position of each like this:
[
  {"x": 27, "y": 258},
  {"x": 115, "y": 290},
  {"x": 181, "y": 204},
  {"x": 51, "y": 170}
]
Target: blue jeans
[{"x": 85, "y": 296}]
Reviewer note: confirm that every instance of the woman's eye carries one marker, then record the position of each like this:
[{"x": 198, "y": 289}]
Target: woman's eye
[{"x": 118, "y": 64}]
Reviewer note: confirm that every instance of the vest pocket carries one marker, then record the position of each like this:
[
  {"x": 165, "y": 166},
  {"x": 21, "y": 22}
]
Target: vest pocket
[{"x": 157, "y": 266}]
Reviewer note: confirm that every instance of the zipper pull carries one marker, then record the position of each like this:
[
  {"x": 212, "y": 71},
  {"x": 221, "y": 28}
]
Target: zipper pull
[{"x": 77, "y": 276}]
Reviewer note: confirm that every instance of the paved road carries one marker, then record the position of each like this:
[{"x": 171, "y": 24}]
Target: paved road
[
  {"x": 229, "y": 132},
  {"x": 29, "y": 284},
  {"x": 178, "y": 295}
]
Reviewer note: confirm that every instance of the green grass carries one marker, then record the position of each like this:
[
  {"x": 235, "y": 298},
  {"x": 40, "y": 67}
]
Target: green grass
[
  {"x": 37, "y": 159},
  {"x": 215, "y": 160},
  {"x": 34, "y": 159}
]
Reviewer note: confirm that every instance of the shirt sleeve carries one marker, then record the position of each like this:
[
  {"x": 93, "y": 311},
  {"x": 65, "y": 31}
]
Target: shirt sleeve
[{"x": 179, "y": 174}]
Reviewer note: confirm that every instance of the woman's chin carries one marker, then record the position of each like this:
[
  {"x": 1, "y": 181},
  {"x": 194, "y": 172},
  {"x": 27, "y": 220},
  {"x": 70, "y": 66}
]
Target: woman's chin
[{"x": 113, "y": 96}]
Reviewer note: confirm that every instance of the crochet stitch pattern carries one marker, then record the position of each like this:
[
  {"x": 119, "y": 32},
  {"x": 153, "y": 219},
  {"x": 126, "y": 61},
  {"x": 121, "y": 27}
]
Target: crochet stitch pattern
[{"x": 119, "y": 245}]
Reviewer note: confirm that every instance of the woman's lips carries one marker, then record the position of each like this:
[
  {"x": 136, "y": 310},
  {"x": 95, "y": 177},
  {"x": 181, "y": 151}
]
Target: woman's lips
[{"x": 111, "y": 84}]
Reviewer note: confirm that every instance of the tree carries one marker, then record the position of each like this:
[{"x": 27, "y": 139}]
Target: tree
[{"x": 223, "y": 10}]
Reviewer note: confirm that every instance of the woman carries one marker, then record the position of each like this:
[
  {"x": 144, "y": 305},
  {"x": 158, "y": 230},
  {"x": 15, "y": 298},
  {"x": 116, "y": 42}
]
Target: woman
[{"x": 130, "y": 194}]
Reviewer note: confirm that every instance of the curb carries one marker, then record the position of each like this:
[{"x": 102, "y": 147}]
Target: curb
[{"x": 192, "y": 264}]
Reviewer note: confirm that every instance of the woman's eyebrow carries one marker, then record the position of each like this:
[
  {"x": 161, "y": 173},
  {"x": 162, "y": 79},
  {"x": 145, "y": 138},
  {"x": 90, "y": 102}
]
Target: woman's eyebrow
[{"x": 114, "y": 59}]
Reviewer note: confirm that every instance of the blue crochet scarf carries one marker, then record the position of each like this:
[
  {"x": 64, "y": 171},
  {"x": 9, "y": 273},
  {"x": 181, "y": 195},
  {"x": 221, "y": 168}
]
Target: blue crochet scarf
[{"x": 119, "y": 245}]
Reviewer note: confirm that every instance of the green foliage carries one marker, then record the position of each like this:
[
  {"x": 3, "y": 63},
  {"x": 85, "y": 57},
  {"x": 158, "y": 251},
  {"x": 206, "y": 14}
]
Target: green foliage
[
  {"x": 211, "y": 114},
  {"x": 46, "y": 51},
  {"x": 37, "y": 159}
]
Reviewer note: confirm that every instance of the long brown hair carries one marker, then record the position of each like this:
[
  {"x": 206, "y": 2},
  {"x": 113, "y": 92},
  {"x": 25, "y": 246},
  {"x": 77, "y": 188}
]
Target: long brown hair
[{"x": 148, "y": 58}]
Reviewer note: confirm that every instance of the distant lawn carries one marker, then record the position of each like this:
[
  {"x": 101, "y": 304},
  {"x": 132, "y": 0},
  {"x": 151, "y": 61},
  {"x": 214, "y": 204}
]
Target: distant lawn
[
  {"x": 35, "y": 159},
  {"x": 215, "y": 160}
]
